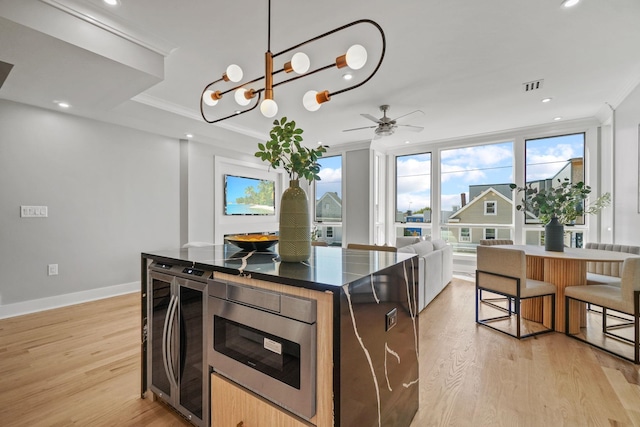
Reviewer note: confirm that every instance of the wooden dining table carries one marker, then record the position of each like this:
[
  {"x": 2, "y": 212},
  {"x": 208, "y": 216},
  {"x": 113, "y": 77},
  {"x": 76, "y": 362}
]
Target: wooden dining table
[{"x": 568, "y": 268}]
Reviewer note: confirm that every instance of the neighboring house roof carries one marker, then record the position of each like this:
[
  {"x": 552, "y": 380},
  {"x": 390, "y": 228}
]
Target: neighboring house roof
[
  {"x": 330, "y": 195},
  {"x": 479, "y": 198}
]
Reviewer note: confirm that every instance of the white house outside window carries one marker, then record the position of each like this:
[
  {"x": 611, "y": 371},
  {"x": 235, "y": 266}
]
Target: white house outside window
[
  {"x": 490, "y": 207},
  {"x": 490, "y": 233}
]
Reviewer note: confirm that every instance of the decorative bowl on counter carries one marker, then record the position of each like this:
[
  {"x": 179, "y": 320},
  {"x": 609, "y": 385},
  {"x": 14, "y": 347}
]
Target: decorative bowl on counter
[{"x": 251, "y": 242}]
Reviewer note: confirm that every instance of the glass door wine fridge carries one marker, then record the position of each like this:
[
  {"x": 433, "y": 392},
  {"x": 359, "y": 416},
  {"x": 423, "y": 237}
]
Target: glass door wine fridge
[{"x": 176, "y": 362}]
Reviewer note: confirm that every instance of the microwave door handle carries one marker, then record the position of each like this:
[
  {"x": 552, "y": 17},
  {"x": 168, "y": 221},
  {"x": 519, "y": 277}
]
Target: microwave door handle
[
  {"x": 170, "y": 339},
  {"x": 165, "y": 339}
]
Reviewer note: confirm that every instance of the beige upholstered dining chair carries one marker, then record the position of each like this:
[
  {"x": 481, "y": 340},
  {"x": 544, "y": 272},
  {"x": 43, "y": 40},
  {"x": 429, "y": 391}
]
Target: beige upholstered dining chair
[
  {"x": 487, "y": 242},
  {"x": 621, "y": 300},
  {"x": 504, "y": 272},
  {"x": 495, "y": 301}
]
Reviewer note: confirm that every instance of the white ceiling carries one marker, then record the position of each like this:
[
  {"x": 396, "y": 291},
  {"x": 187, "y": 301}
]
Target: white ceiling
[{"x": 145, "y": 63}]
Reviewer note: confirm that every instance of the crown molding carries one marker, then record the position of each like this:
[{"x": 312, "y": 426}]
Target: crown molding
[{"x": 113, "y": 24}]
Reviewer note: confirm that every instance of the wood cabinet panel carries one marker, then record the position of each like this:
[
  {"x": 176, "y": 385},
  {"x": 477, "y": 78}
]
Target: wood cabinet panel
[{"x": 233, "y": 406}]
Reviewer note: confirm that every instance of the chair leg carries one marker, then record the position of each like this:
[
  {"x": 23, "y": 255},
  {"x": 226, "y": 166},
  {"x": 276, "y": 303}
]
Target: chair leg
[{"x": 636, "y": 315}]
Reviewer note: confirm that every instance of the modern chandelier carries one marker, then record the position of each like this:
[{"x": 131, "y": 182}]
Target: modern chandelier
[{"x": 248, "y": 92}]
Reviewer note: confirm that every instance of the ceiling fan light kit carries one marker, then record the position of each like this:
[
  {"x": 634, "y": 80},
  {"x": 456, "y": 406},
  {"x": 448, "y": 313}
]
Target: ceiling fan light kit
[
  {"x": 355, "y": 58},
  {"x": 386, "y": 126}
]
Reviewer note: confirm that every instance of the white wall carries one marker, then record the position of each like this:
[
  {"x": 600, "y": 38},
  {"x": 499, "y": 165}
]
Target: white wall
[
  {"x": 358, "y": 207},
  {"x": 112, "y": 193},
  {"x": 627, "y": 219}
]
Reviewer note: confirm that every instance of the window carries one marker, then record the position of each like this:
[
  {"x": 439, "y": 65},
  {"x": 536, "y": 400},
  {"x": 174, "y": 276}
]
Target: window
[
  {"x": 490, "y": 233},
  {"x": 473, "y": 180},
  {"x": 548, "y": 160},
  {"x": 490, "y": 208},
  {"x": 413, "y": 188},
  {"x": 328, "y": 203},
  {"x": 329, "y": 190}
]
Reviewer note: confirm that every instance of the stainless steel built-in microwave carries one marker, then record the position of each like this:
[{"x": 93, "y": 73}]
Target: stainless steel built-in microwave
[{"x": 266, "y": 342}]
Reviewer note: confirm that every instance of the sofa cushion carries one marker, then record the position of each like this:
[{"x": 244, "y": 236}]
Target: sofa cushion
[
  {"x": 407, "y": 250},
  {"x": 438, "y": 244},
  {"x": 423, "y": 248}
]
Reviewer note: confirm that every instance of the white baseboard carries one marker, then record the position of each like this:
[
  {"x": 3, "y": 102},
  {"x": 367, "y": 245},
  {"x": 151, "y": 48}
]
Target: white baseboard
[{"x": 33, "y": 306}]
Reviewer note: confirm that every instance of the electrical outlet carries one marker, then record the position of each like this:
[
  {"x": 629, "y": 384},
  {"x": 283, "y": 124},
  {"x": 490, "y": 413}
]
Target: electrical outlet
[
  {"x": 53, "y": 269},
  {"x": 391, "y": 319}
]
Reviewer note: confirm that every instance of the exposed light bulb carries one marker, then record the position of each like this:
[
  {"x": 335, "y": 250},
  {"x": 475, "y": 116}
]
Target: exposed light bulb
[
  {"x": 234, "y": 73},
  {"x": 310, "y": 101},
  {"x": 356, "y": 57},
  {"x": 300, "y": 63},
  {"x": 207, "y": 97},
  {"x": 269, "y": 108},
  {"x": 240, "y": 98}
]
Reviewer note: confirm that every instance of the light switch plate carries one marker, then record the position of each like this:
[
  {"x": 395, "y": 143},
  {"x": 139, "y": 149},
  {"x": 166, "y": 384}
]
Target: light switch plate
[{"x": 34, "y": 211}]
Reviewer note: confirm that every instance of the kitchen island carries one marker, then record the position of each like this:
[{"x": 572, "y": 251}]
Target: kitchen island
[{"x": 365, "y": 340}]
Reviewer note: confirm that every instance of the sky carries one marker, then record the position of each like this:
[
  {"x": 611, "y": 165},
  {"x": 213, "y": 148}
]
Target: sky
[
  {"x": 330, "y": 176},
  {"x": 462, "y": 167},
  {"x": 485, "y": 164}
]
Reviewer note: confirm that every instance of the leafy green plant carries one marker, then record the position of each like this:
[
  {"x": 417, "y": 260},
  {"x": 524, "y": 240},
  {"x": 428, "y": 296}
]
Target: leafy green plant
[
  {"x": 285, "y": 150},
  {"x": 566, "y": 201}
]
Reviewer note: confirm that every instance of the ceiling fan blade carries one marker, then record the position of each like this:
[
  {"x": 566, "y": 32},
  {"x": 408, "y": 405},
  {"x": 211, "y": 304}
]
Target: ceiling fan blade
[
  {"x": 370, "y": 117},
  {"x": 366, "y": 127},
  {"x": 413, "y": 128},
  {"x": 409, "y": 114}
]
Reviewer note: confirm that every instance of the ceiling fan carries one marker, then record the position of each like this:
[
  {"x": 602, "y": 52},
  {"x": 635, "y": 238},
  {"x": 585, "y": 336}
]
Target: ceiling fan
[{"x": 386, "y": 126}]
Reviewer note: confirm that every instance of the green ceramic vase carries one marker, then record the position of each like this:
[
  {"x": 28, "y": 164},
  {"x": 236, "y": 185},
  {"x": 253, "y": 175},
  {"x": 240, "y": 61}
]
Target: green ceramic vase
[{"x": 295, "y": 232}]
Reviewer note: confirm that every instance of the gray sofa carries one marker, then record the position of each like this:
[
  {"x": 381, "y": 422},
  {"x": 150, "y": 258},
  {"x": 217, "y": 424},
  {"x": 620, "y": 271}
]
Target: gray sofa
[
  {"x": 604, "y": 272},
  {"x": 435, "y": 265}
]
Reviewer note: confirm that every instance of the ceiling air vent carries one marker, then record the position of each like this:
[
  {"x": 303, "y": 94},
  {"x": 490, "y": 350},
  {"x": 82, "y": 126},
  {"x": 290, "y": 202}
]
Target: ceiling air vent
[{"x": 531, "y": 86}]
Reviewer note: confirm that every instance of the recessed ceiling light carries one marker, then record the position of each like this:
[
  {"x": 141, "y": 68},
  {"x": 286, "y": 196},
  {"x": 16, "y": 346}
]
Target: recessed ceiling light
[
  {"x": 63, "y": 104},
  {"x": 545, "y": 100},
  {"x": 111, "y": 2},
  {"x": 347, "y": 76},
  {"x": 557, "y": 118},
  {"x": 570, "y": 3},
  {"x": 189, "y": 135},
  {"x": 407, "y": 142}
]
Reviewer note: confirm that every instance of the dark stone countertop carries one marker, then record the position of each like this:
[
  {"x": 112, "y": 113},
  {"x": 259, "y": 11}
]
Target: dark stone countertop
[{"x": 326, "y": 269}]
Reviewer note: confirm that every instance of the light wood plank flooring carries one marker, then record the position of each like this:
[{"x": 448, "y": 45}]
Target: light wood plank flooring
[{"x": 80, "y": 366}]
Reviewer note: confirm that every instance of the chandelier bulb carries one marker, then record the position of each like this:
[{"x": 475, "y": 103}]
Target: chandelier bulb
[
  {"x": 234, "y": 73},
  {"x": 300, "y": 63},
  {"x": 241, "y": 97},
  {"x": 356, "y": 57},
  {"x": 268, "y": 108},
  {"x": 310, "y": 102},
  {"x": 210, "y": 98}
]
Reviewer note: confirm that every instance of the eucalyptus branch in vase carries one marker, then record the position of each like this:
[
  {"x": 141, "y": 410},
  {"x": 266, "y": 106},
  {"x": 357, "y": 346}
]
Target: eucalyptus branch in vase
[{"x": 285, "y": 150}]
